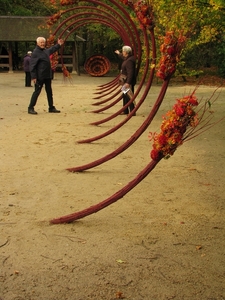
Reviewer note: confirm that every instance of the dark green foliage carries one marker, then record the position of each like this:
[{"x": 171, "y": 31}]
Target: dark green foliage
[{"x": 25, "y": 8}]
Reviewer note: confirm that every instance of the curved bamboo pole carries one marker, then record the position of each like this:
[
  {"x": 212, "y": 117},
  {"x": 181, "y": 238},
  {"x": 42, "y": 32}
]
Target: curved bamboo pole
[
  {"x": 107, "y": 107},
  {"x": 112, "y": 199},
  {"x": 147, "y": 88},
  {"x": 131, "y": 140},
  {"x": 127, "y": 21},
  {"x": 124, "y": 31}
]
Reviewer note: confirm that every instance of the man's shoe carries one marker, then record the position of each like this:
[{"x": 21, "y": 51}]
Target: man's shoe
[
  {"x": 32, "y": 111},
  {"x": 53, "y": 110}
]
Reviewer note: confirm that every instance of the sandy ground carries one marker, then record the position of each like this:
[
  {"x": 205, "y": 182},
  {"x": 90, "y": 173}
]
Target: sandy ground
[{"x": 165, "y": 239}]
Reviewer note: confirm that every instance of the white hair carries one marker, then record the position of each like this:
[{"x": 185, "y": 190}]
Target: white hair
[
  {"x": 127, "y": 49},
  {"x": 40, "y": 38}
]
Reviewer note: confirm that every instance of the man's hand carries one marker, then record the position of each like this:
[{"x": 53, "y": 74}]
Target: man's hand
[{"x": 60, "y": 42}]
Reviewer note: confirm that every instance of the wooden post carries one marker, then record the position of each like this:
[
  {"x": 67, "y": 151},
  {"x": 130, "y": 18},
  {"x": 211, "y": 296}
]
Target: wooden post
[
  {"x": 10, "y": 58},
  {"x": 74, "y": 71},
  {"x": 77, "y": 57}
]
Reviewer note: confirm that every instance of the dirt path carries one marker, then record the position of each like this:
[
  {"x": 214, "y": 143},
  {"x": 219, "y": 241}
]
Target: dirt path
[{"x": 163, "y": 240}]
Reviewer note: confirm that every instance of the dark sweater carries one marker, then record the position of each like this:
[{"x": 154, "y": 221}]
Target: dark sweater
[
  {"x": 40, "y": 65},
  {"x": 26, "y": 63},
  {"x": 129, "y": 69}
]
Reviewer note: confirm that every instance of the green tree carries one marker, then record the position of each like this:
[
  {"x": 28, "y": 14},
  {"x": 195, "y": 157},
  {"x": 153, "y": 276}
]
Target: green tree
[
  {"x": 27, "y": 8},
  {"x": 203, "y": 21}
]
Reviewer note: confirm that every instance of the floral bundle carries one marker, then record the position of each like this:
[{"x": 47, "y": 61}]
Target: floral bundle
[
  {"x": 66, "y": 73},
  {"x": 144, "y": 14},
  {"x": 170, "y": 49},
  {"x": 67, "y": 2},
  {"x": 54, "y": 58},
  {"x": 53, "y": 19},
  {"x": 173, "y": 127},
  {"x": 50, "y": 41},
  {"x": 127, "y": 2}
]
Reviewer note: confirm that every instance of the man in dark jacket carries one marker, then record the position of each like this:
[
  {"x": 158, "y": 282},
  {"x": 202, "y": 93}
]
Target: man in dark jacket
[
  {"x": 26, "y": 67},
  {"x": 41, "y": 73},
  {"x": 128, "y": 69}
]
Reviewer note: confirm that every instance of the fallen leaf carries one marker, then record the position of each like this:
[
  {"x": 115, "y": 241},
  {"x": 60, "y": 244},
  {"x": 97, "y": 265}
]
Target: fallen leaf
[
  {"x": 120, "y": 261},
  {"x": 119, "y": 295},
  {"x": 199, "y": 247}
]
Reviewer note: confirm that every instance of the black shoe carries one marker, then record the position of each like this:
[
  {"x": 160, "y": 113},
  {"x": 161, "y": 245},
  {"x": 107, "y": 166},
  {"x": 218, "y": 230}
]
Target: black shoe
[
  {"x": 32, "y": 111},
  {"x": 53, "y": 110}
]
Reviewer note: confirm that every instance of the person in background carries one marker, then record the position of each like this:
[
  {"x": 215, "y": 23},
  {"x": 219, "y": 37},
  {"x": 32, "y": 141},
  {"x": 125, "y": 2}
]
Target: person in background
[
  {"x": 41, "y": 73},
  {"x": 128, "y": 72},
  {"x": 26, "y": 67}
]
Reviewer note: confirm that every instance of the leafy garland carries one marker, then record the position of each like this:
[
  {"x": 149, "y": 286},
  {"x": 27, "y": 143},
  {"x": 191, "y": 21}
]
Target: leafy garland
[{"x": 53, "y": 19}]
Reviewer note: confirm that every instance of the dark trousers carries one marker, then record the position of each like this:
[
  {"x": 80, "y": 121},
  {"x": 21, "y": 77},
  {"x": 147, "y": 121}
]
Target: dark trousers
[
  {"x": 126, "y": 99},
  {"x": 27, "y": 79},
  {"x": 37, "y": 90}
]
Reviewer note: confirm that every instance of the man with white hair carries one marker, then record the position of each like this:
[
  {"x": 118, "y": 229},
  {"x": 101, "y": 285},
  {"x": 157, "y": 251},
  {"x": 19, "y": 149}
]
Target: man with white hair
[
  {"x": 128, "y": 71},
  {"x": 41, "y": 73}
]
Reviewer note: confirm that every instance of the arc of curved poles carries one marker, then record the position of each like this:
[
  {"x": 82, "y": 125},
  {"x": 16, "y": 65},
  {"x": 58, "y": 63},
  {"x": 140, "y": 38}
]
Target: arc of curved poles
[
  {"x": 108, "y": 91},
  {"x": 108, "y": 84},
  {"x": 86, "y": 20},
  {"x": 107, "y": 106},
  {"x": 105, "y": 13},
  {"x": 122, "y": 192},
  {"x": 93, "y": 11},
  {"x": 127, "y": 21},
  {"x": 121, "y": 8},
  {"x": 104, "y": 89},
  {"x": 147, "y": 88},
  {"x": 69, "y": 26},
  {"x": 130, "y": 185},
  {"x": 124, "y": 21},
  {"x": 131, "y": 140},
  {"x": 112, "y": 199},
  {"x": 106, "y": 100}
]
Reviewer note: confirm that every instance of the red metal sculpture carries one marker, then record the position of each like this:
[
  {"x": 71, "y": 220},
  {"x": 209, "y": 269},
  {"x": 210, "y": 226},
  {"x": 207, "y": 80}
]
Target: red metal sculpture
[
  {"x": 125, "y": 26},
  {"x": 97, "y": 65}
]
